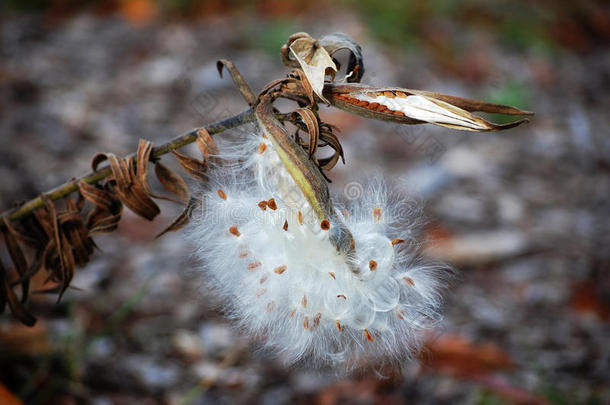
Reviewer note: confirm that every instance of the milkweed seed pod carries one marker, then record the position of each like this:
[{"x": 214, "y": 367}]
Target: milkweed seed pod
[{"x": 267, "y": 253}]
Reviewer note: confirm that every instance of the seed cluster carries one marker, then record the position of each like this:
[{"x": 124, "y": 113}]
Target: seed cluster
[{"x": 375, "y": 106}]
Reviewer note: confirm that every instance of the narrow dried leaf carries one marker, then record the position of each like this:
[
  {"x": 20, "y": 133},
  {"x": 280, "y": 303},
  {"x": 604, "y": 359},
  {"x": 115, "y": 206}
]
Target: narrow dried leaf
[
  {"x": 9, "y": 296},
  {"x": 17, "y": 257},
  {"x": 313, "y": 128},
  {"x": 172, "y": 182},
  {"x": 238, "y": 79},
  {"x": 181, "y": 220},
  {"x": 206, "y": 145},
  {"x": 193, "y": 167}
]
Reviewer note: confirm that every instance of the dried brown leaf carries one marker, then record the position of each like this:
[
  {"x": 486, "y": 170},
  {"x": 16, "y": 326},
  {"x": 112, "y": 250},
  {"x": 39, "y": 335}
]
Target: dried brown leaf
[
  {"x": 172, "y": 182},
  {"x": 313, "y": 128},
  {"x": 314, "y": 61},
  {"x": 338, "y": 41},
  {"x": 8, "y": 296},
  {"x": 238, "y": 79},
  {"x": 181, "y": 220},
  {"x": 193, "y": 167},
  {"x": 206, "y": 145}
]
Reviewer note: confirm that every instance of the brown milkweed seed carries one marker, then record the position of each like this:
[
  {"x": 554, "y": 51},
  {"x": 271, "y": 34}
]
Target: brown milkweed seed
[
  {"x": 254, "y": 265},
  {"x": 260, "y": 292},
  {"x": 262, "y": 205},
  {"x": 280, "y": 269},
  {"x": 222, "y": 194},
  {"x": 409, "y": 281},
  {"x": 306, "y": 322},
  {"x": 316, "y": 319},
  {"x": 304, "y": 301},
  {"x": 234, "y": 231},
  {"x": 368, "y": 335},
  {"x": 285, "y": 227},
  {"x": 261, "y": 148},
  {"x": 389, "y": 94},
  {"x": 397, "y": 241},
  {"x": 377, "y": 214},
  {"x": 300, "y": 217},
  {"x": 372, "y": 265},
  {"x": 341, "y": 296},
  {"x": 291, "y": 313},
  {"x": 325, "y": 225},
  {"x": 338, "y": 325},
  {"x": 271, "y": 204},
  {"x": 270, "y": 306},
  {"x": 243, "y": 254},
  {"x": 263, "y": 279},
  {"x": 332, "y": 275}
]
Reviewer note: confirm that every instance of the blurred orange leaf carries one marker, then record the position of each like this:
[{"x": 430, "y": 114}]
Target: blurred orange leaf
[
  {"x": 138, "y": 12},
  {"x": 454, "y": 354},
  {"x": 7, "y": 397}
]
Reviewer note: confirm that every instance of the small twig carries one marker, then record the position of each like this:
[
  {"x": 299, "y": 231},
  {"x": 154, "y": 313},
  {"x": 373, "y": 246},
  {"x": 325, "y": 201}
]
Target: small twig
[{"x": 93, "y": 177}]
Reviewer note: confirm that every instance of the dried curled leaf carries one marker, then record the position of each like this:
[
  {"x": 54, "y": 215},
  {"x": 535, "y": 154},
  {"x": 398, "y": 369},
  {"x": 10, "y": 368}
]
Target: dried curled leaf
[
  {"x": 338, "y": 41},
  {"x": 131, "y": 182},
  {"x": 313, "y": 59},
  {"x": 416, "y": 107},
  {"x": 238, "y": 79}
]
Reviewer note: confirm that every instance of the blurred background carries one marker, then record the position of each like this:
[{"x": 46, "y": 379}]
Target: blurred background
[{"x": 523, "y": 215}]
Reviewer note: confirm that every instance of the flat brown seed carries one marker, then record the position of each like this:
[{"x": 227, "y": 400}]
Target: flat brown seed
[
  {"x": 291, "y": 313},
  {"x": 316, "y": 319},
  {"x": 338, "y": 325},
  {"x": 306, "y": 322},
  {"x": 409, "y": 281},
  {"x": 377, "y": 212},
  {"x": 325, "y": 225},
  {"x": 254, "y": 265},
  {"x": 270, "y": 307},
  {"x": 401, "y": 314},
  {"x": 304, "y": 301},
  {"x": 280, "y": 269},
  {"x": 243, "y": 254},
  {"x": 332, "y": 275},
  {"x": 263, "y": 279},
  {"x": 401, "y": 94},
  {"x": 398, "y": 113},
  {"x": 222, "y": 194},
  {"x": 373, "y": 106},
  {"x": 261, "y": 148},
  {"x": 271, "y": 204},
  {"x": 262, "y": 205},
  {"x": 397, "y": 241},
  {"x": 368, "y": 335},
  {"x": 234, "y": 231},
  {"x": 389, "y": 94},
  {"x": 285, "y": 227},
  {"x": 300, "y": 217},
  {"x": 341, "y": 296},
  {"x": 372, "y": 265},
  {"x": 260, "y": 292}
]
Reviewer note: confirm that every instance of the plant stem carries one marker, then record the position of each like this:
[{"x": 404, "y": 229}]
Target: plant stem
[{"x": 71, "y": 186}]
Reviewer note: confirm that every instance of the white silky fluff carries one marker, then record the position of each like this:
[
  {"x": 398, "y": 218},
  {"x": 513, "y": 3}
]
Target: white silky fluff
[{"x": 299, "y": 311}]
